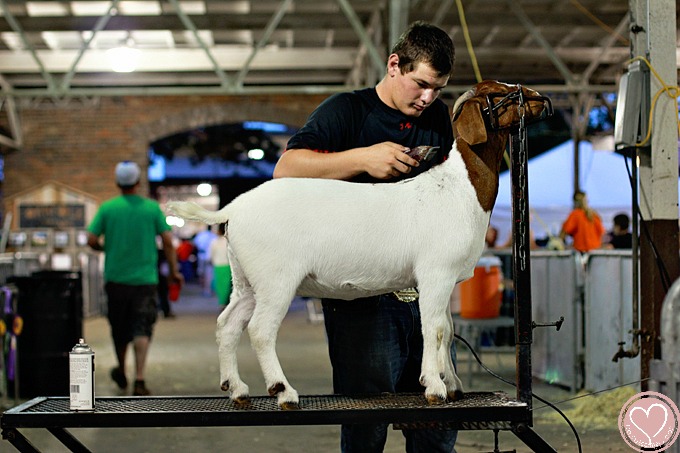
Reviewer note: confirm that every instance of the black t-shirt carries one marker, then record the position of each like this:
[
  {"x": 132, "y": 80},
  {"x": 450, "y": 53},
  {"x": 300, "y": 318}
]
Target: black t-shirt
[
  {"x": 360, "y": 119},
  {"x": 622, "y": 241}
]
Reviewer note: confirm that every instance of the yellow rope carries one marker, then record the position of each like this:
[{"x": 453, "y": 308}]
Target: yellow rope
[
  {"x": 468, "y": 42},
  {"x": 672, "y": 91},
  {"x": 473, "y": 57}
]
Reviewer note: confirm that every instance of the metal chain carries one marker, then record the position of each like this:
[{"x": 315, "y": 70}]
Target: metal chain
[{"x": 522, "y": 180}]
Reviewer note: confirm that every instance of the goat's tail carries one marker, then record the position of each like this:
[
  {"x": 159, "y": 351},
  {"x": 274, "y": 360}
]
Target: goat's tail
[{"x": 188, "y": 210}]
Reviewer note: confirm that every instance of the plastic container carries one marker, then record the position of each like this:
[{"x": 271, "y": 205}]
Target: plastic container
[
  {"x": 173, "y": 291},
  {"x": 481, "y": 296}
]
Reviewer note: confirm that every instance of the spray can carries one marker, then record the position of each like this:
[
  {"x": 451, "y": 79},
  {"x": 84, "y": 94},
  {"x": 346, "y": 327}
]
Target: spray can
[{"x": 81, "y": 377}]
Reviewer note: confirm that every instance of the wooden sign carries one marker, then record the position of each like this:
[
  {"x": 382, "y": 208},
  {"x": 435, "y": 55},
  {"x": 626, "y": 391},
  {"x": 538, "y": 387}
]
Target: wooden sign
[{"x": 52, "y": 216}]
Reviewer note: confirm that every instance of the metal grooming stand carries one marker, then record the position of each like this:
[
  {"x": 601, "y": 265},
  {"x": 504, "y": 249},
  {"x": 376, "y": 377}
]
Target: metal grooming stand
[
  {"x": 521, "y": 274},
  {"x": 476, "y": 411}
]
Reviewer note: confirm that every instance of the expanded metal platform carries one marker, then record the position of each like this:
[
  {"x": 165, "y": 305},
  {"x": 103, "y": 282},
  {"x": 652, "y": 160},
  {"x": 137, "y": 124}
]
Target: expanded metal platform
[{"x": 475, "y": 411}]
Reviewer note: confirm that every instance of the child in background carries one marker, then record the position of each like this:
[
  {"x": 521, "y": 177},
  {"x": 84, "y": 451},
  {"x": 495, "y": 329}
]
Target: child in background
[{"x": 217, "y": 254}]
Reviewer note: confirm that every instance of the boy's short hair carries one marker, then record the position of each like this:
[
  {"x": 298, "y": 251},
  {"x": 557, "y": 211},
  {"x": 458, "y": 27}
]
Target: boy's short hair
[
  {"x": 425, "y": 43},
  {"x": 622, "y": 221}
]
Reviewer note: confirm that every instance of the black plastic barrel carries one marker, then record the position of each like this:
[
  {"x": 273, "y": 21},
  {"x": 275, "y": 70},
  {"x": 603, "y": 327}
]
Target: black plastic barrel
[{"x": 51, "y": 305}]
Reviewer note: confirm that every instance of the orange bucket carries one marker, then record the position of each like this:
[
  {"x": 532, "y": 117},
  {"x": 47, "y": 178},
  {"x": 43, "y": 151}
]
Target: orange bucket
[{"x": 480, "y": 296}]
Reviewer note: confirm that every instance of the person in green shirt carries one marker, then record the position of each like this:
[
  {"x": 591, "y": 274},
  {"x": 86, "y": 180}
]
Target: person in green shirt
[{"x": 129, "y": 224}]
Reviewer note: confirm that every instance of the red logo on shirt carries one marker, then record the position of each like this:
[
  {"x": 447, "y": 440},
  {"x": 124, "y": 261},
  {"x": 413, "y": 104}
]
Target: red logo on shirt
[{"x": 403, "y": 126}]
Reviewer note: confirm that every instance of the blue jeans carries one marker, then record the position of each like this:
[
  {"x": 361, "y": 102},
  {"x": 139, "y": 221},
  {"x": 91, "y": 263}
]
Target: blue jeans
[{"x": 376, "y": 346}]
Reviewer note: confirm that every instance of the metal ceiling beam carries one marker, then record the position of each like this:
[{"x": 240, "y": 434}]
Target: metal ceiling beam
[
  {"x": 398, "y": 19},
  {"x": 232, "y": 58},
  {"x": 359, "y": 29},
  {"x": 15, "y": 140},
  {"x": 101, "y": 23},
  {"x": 273, "y": 89},
  {"x": 160, "y": 79},
  {"x": 439, "y": 15},
  {"x": 301, "y": 20},
  {"x": 226, "y": 81},
  {"x": 9, "y": 17},
  {"x": 271, "y": 26},
  {"x": 609, "y": 42},
  {"x": 359, "y": 65},
  {"x": 536, "y": 34}
]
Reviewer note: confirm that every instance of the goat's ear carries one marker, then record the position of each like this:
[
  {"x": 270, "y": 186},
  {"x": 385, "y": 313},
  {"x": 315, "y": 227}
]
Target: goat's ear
[{"x": 470, "y": 124}]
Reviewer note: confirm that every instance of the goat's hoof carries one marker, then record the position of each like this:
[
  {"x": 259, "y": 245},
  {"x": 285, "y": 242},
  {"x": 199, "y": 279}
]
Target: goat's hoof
[
  {"x": 456, "y": 395},
  {"x": 434, "y": 399},
  {"x": 243, "y": 400},
  {"x": 276, "y": 389},
  {"x": 290, "y": 406},
  {"x": 225, "y": 386}
]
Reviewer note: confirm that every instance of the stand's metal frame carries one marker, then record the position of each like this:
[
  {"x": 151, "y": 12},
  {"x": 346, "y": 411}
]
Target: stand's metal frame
[{"x": 476, "y": 411}]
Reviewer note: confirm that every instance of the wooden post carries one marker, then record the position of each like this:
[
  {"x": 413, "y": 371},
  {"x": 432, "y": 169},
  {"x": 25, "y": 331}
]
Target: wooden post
[{"x": 653, "y": 36}]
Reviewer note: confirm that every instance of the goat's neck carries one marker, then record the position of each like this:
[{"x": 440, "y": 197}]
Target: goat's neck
[{"x": 483, "y": 163}]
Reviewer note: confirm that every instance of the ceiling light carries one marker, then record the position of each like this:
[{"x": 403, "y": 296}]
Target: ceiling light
[
  {"x": 204, "y": 189},
  {"x": 46, "y": 9},
  {"x": 256, "y": 154},
  {"x": 124, "y": 58},
  {"x": 174, "y": 221}
]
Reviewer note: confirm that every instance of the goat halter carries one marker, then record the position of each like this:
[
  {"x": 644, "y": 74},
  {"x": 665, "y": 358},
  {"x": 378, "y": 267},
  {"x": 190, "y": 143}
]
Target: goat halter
[{"x": 496, "y": 101}]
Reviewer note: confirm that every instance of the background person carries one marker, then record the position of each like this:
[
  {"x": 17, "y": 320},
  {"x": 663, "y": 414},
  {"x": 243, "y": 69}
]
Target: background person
[
  {"x": 217, "y": 254},
  {"x": 620, "y": 237},
  {"x": 163, "y": 286},
  {"x": 186, "y": 255},
  {"x": 583, "y": 225},
  {"x": 202, "y": 241},
  {"x": 129, "y": 224},
  {"x": 491, "y": 237},
  {"x": 375, "y": 343}
]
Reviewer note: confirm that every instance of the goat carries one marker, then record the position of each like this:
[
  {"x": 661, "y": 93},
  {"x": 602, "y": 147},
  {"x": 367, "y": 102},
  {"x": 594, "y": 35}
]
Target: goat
[{"x": 342, "y": 240}]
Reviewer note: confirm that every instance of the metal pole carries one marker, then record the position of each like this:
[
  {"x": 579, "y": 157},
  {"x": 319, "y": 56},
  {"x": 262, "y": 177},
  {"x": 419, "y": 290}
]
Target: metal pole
[{"x": 521, "y": 264}]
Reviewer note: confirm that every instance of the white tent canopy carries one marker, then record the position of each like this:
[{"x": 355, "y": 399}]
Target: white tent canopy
[{"x": 603, "y": 177}]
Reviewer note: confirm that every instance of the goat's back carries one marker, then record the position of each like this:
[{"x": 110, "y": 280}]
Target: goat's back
[{"x": 358, "y": 235}]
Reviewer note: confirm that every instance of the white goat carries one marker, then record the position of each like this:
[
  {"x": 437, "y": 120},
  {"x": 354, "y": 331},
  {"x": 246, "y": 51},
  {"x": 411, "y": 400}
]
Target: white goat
[{"x": 342, "y": 240}]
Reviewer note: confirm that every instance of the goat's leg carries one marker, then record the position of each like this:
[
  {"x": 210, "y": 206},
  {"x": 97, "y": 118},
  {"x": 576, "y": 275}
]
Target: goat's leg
[
  {"x": 454, "y": 386},
  {"x": 230, "y": 325},
  {"x": 437, "y": 374},
  {"x": 263, "y": 329}
]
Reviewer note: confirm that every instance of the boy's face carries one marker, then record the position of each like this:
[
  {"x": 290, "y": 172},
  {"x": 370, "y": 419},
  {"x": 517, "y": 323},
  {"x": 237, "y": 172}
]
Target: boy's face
[{"x": 414, "y": 91}]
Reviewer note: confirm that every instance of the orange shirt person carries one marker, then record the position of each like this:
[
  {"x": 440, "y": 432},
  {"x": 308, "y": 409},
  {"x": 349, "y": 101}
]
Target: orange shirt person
[{"x": 583, "y": 225}]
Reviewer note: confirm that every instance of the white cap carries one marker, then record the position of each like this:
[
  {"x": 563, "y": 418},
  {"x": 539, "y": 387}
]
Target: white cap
[{"x": 127, "y": 173}]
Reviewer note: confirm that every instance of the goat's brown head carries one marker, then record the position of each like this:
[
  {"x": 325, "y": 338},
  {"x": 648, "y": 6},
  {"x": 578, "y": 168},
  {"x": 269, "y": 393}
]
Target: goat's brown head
[
  {"x": 482, "y": 120},
  {"x": 495, "y": 105}
]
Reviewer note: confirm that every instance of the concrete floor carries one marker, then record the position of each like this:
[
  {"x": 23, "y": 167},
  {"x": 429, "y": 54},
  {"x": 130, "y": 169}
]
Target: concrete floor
[{"x": 183, "y": 361}]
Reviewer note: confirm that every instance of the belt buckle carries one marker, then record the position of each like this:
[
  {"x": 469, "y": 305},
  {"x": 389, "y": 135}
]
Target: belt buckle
[{"x": 406, "y": 295}]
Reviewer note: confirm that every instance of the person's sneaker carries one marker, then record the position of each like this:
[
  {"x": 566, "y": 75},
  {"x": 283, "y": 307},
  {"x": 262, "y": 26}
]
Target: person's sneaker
[
  {"x": 140, "y": 389},
  {"x": 119, "y": 378}
]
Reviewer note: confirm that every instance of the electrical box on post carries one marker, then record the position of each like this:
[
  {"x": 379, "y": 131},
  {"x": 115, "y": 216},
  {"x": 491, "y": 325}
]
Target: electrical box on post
[{"x": 632, "y": 106}]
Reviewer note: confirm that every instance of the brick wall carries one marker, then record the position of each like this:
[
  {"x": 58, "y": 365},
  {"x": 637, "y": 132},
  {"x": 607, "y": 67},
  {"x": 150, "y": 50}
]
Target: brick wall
[{"x": 79, "y": 144}]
